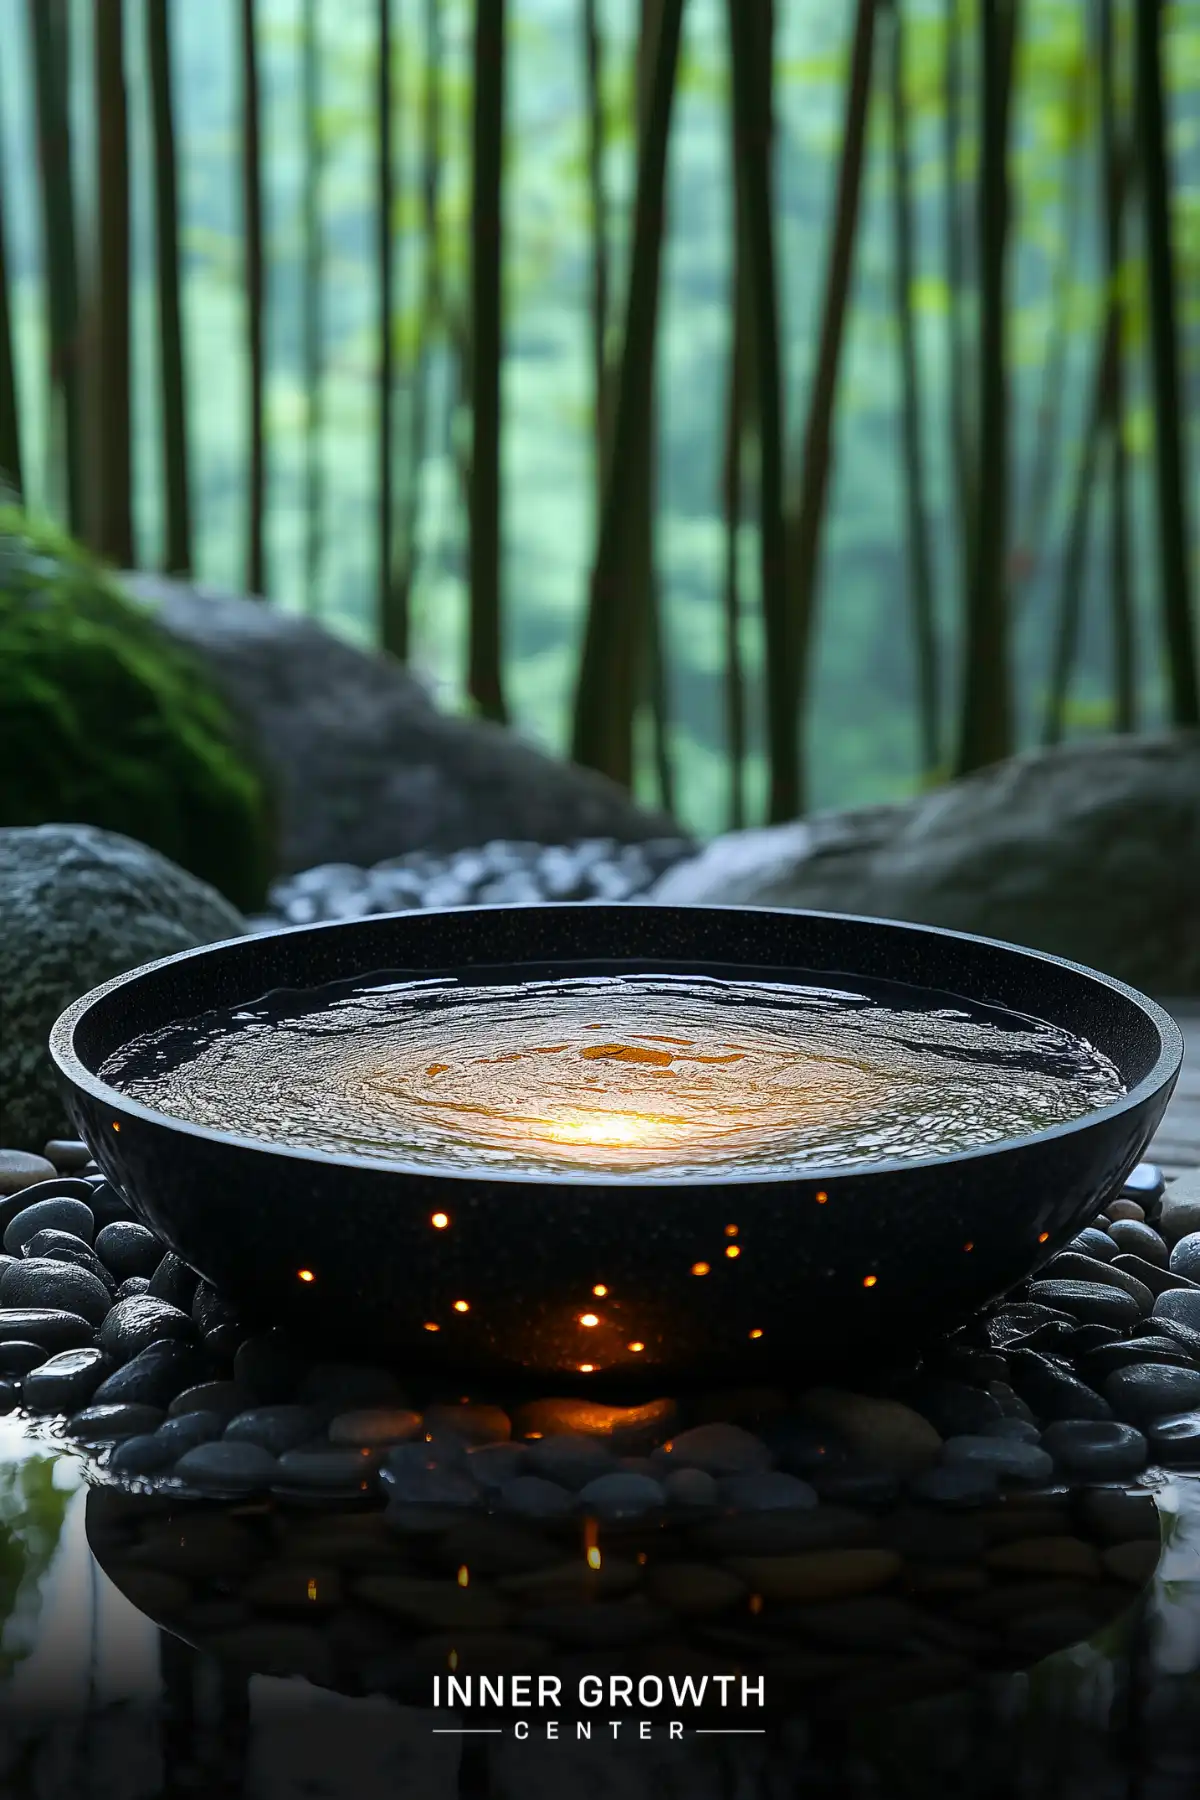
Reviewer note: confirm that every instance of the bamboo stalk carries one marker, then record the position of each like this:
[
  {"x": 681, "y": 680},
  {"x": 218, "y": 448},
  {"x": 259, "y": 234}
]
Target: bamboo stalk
[
  {"x": 751, "y": 44},
  {"x": 484, "y": 675},
  {"x": 920, "y": 552},
  {"x": 111, "y": 532},
  {"x": 731, "y": 516},
  {"x": 598, "y": 204},
  {"x": 1113, "y": 158},
  {"x": 986, "y": 724},
  {"x": 252, "y": 226},
  {"x": 11, "y": 467},
  {"x": 961, "y": 434},
  {"x": 804, "y": 526},
  {"x": 48, "y": 22},
  {"x": 1173, "y": 541},
  {"x": 606, "y": 685},
  {"x": 176, "y": 495},
  {"x": 385, "y": 276},
  {"x": 311, "y": 315}
]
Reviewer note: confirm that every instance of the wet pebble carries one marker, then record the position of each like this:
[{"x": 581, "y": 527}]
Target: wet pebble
[
  {"x": 693, "y": 1488},
  {"x": 128, "y": 1250},
  {"x": 1095, "y": 1449},
  {"x": 39, "y": 1282},
  {"x": 133, "y": 1286},
  {"x": 1185, "y": 1256},
  {"x": 185, "y": 1430},
  {"x": 534, "y": 1497},
  {"x": 333, "y": 1471},
  {"x": 1180, "y": 1304},
  {"x": 225, "y": 1397},
  {"x": 1123, "y": 1209},
  {"x": 48, "y": 1326},
  {"x": 1054, "y": 1391},
  {"x": 764, "y": 1491},
  {"x": 1137, "y": 1239},
  {"x": 275, "y": 1428},
  {"x": 154, "y": 1376},
  {"x": 65, "y": 1382},
  {"x": 627, "y": 1429},
  {"x": 1093, "y": 1302},
  {"x": 952, "y": 1407},
  {"x": 491, "y": 1465},
  {"x": 107, "y": 1424},
  {"x": 139, "y": 1321},
  {"x": 1158, "y": 1280},
  {"x": 1008, "y": 1459},
  {"x": 146, "y": 1454},
  {"x": 956, "y": 1484},
  {"x": 1175, "y": 1440},
  {"x": 1092, "y": 1242},
  {"x": 885, "y": 1434},
  {"x": 217, "y": 1320},
  {"x": 17, "y": 1358},
  {"x": 107, "y": 1203},
  {"x": 718, "y": 1449},
  {"x": 1068, "y": 1267},
  {"x": 378, "y": 1427},
  {"x": 19, "y": 1169},
  {"x": 621, "y": 1496},
  {"x": 1099, "y": 1364},
  {"x": 67, "y": 1154},
  {"x": 1020, "y": 1431},
  {"x": 1150, "y": 1390},
  {"x": 570, "y": 1461},
  {"x": 224, "y": 1469},
  {"x": 57, "y": 1214},
  {"x": 64, "y": 1246},
  {"x": 174, "y": 1282}
]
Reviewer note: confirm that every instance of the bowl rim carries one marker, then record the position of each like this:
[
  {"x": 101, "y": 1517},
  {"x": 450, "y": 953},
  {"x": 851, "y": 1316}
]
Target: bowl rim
[{"x": 1165, "y": 1069}]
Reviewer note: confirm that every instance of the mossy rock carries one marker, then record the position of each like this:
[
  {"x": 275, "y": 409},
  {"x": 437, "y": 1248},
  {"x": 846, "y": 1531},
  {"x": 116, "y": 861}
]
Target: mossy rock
[{"x": 106, "y": 720}]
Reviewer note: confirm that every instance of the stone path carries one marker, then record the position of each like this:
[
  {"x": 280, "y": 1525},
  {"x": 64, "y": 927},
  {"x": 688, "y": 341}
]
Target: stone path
[{"x": 1177, "y": 1145}]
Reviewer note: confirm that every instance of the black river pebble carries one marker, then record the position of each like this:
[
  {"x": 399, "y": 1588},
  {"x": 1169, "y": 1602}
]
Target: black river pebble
[
  {"x": 145, "y": 1454},
  {"x": 66, "y": 1382},
  {"x": 132, "y": 1286},
  {"x": 17, "y": 1358},
  {"x": 1175, "y": 1440},
  {"x": 953, "y": 1408},
  {"x": 1137, "y": 1239},
  {"x": 1092, "y": 1302},
  {"x": 56, "y": 1187},
  {"x": 217, "y": 1320},
  {"x": 1152, "y": 1390},
  {"x": 108, "y": 1424},
  {"x": 50, "y": 1327},
  {"x": 174, "y": 1282},
  {"x": 128, "y": 1250},
  {"x": 1052, "y": 1390},
  {"x": 1095, "y": 1449},
  {"x": 155, "y": 1375},
  {"x": 1093, "y": 1242},
  {"x": 107, "y": 1203},
  {"x": 1159, "y": 1281},
  {"x": 58, "y": 1214},
  {"x": 64, "y": 1246},
  {"x": 134, "y": 1323},
  {"x": 36, "y": 1281}
]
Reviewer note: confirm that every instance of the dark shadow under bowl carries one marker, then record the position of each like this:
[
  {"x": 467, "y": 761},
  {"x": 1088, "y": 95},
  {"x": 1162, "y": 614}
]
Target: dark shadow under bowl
[{"x": 939, "y": 1237}]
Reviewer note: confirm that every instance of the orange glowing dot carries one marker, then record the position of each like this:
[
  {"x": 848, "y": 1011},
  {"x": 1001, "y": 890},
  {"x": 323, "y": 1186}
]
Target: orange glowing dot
[
  {"x": 462, "y": 1306},
  {"x": 756, "y": 1603},
  {"x": 870, "y": 1280},
  {"x": 1043, "y": 1236},
  {"x": 116, "y": 1127},
  {"x": 757, "y": 1332},
  {"x": 636, "y": 1347},
  {"x": 599, "y": 1290},
  {"x": 700, "y": 1268},
  {"x": 594, "y": 1558},
  {"x": 464, "y": 1576},
  {"x": 641, "y": 1558},
  {"x": 452, "y": 1660},
  {"x": 587, "y": 1368},
  {"x": 306, "y": 1274},
  {"x": 430, "y": 1326},
  {"x": 589, "y": 1319},
  {"x": 440, "y": 1221},
  {"x": 968, "y": 1246},
  {"x": 731, "y": 1231},
  {"x": 312, "y": 1588},
  {"x": 533, "y": 1434},
  {"x": 733, "y": 1250},
  {"x": 822, "y": 1196}
]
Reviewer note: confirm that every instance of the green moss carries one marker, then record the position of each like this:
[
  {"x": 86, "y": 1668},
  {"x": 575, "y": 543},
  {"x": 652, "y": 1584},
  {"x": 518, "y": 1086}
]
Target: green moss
[{"x": 105, "y": 720}]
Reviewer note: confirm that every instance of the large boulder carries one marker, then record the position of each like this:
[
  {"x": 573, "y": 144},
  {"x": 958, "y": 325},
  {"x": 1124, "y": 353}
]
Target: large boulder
[
  {"x": 1091, "y": 851},
  {"x": 78, "y": 906},
  {"x": 365, "y": 765}
]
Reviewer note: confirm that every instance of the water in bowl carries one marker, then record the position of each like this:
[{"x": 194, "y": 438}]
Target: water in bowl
[{"x": 654, "y": 1074}]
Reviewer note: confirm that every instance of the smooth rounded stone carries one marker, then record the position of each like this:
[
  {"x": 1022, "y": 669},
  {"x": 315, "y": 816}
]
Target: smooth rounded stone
[
  {"x": 1127, "y": 1353},
  {"x": 766, "y": 1490},
  {"x": 146, "y": 1454},
  {"x": 1121, "y": 1210},
  {"x": 1086, "y": 1338},
  {"x": 414, "y": 1482},
  {"x": 956, "y": 1484},
  {"x": 10, "y": 1394},
  {"x": 1144, "y": 1181},
  {"x": 1018, "y": 1319},
  {"x": 67, "y": 1154},
  {"x": 225, "y": 1397},
  {"x": 66, "y": 1382},
  {"x": 1018, "y": 1431},
  {"x": 223, "y": 1469},
  {"x": 693, "y": 1590},
  {"x": 154, "y": 1376},
  {"x": 275, "y": 1428},
  {"x": 108, "y": 1204},
  {"x": 108, "y": 1424},
  {"x": 217, "y": 1320},
  {"x": 61, "y": 1286},
  {"x": 138, "y": 1321},
  {"x": 1151, "y": 1390},
  {"x": 1008, "y": 1460},
  {"x": 952, "y": 1407},
  {"x": 50, "y": 1327},
  {"x": 1055, "y": 1337},
  {"x": 1182, "y": 1305},
  {"x": 818, "y": 1575},
  {"x": 64, "y": 1246},
  {"x": 1185, "y": 1257},
  {"x": 491, "y": 1465},
  {"x": 1052, "y": 1390},
  {"x": 802, "y": 1447},
  {"x": 133, "y": 1287},
  {"x": 570, "y": 1461},
  {"x": 62, "y": 1187},
  {"x": 1095, "y": 1449},
  {"x": 717, "y": 1448},
  {"x": 1175, "y": 1440},
  {"x": 174, "y": 1282},
  {"x": 884, "y": 1433},
  {"x": 270, "y": 1365},
  {"x": 332, "y": 1470},
  {"x": 693, "y": 1487},
  {"x": 20, "y": 1169},
  {"x": 1159, "y": 1281},
  {"x": 343, "y": 1386},
  {"x": 17, "y": 1358},
  {"x": 620, "y": 1495},
  {"x": 1180, "y": 1214},
  {"x": 377, "y": 1427},
  {"x": 128, "y": 1250},
  {"x": 186, "y": 1430},
  {"x": 57, "y": 1214},
  {"x": 855, "y": 1484},
  {"x": 626, "y": 1429},
  {"x": 1134, "y": 1562},
  {"x": 472, "y": 1422},
  {"x": 1064, "y": 1557},
  {"x": 1071, "y": 1268},
  {"x": 1093, "y": 1242},
  {"x": 534, "y": 1497},
  {"x": 1135, "y": 1238},
  {"x": 1093, "y": 1302},
  {"x": 1115, "y": 1514},
  {"x": 782, "y": 1533}
]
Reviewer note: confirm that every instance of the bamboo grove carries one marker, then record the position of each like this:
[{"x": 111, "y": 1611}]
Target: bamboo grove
[{"x": 777, "y": 458}]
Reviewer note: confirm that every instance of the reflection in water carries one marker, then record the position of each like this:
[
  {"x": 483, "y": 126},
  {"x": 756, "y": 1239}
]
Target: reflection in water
[{"x": 617, "y": 1073}]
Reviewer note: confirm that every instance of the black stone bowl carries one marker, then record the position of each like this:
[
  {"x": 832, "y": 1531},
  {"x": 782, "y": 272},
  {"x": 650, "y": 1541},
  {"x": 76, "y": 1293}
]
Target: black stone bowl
[{"x": 834, "y": 1263}]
